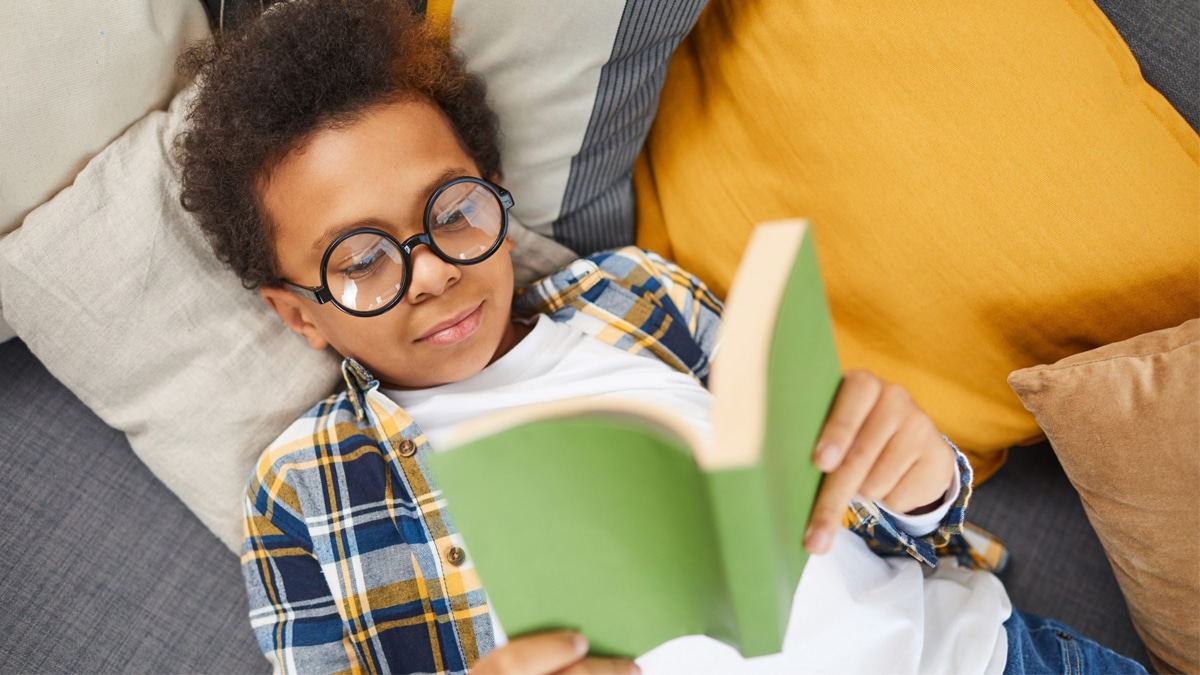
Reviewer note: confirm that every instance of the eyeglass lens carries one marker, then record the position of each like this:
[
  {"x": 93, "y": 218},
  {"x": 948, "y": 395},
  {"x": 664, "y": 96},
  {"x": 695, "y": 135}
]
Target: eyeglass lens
[{"x": 367, "y": 271}]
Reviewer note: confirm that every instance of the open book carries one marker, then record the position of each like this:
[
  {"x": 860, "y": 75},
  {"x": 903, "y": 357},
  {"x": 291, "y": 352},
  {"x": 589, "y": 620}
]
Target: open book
[{"x": 618, "y": 521}]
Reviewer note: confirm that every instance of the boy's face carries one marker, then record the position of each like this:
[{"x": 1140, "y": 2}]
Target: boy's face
[{"x": 378, "y": 172}]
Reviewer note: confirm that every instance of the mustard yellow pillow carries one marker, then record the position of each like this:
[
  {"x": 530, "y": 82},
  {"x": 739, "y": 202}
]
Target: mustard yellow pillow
[{"x": 992, "y": 185}]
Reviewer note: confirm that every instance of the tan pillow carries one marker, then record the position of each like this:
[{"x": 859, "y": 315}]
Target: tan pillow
[{"x": 1125, "y": 422}]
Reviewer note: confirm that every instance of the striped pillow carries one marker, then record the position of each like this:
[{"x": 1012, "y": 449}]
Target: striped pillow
[{"x": 576, "y": 86}]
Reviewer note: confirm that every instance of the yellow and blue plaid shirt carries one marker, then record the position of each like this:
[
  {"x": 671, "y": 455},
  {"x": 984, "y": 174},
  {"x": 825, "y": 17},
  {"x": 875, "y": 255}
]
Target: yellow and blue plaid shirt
[{"x": 350, "y": 561}]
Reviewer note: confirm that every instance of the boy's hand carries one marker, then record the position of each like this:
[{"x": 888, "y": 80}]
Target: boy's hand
[
  {"x": 561, "y": 652},
  {"x": 878, "y": 444}
]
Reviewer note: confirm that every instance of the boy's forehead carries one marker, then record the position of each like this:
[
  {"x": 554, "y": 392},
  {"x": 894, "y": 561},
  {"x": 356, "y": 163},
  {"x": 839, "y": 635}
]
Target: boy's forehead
[{"x": 368, "y": 169}]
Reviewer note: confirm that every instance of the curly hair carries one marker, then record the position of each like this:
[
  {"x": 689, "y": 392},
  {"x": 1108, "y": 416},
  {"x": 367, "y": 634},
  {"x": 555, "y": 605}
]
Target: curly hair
[{"x": 266, "y": 87}]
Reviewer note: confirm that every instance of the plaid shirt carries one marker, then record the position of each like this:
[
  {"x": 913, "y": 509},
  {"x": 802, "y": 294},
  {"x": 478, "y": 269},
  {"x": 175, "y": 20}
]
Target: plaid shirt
[{"x": 350, "y": 561}]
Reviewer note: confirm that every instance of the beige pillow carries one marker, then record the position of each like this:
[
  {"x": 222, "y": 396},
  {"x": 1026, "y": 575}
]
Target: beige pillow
[
  {"x": 74, "y": 75},
  {"x": 1124, "y": 420},
  {"x": 113, "y": 287}
]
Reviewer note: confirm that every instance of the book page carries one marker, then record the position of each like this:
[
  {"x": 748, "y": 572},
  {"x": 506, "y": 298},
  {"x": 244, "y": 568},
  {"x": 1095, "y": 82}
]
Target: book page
[{"x": 738, "y": 379}]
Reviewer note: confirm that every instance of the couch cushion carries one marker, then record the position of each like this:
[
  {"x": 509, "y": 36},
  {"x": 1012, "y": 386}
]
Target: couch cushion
[
  {"x": 1165, "y": 38},
  {"x": 1057, "y": 566},
  {"x": 1125, "y": 422},
  {"x": 990, "y": 188}
]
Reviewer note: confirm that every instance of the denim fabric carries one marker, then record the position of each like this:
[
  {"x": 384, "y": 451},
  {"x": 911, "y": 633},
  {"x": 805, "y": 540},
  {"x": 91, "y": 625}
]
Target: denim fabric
[{"x": 1037, "y": 645}]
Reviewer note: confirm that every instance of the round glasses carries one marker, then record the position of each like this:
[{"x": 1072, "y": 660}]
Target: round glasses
[{"x": 365, "y": 272}]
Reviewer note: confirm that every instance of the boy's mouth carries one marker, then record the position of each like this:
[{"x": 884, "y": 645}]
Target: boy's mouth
[{"x": 455, "y": 329}]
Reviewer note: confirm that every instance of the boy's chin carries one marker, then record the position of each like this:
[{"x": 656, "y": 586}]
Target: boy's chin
[{"x": 464, "y": 368}]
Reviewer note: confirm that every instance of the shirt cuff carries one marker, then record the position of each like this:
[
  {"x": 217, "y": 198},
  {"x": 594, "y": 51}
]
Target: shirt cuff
[{"x": 919, "y": 526}]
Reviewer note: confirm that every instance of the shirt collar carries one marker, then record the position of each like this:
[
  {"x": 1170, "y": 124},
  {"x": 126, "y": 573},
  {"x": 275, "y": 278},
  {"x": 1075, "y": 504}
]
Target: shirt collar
[{"x": 359, "y": 381}]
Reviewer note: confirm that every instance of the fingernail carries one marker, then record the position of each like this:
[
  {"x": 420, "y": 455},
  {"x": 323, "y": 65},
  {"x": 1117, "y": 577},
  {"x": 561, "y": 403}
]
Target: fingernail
[
  {"x": 581, "y": 644},
  {"x": 816, "y": 541},
  {"x": 826, "y": 457},
  {"x": 635, "y": 669}
]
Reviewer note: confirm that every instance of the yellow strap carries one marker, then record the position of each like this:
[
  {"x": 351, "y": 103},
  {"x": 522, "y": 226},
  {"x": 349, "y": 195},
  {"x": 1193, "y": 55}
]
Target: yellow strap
[{"x": 437, "y": 13}]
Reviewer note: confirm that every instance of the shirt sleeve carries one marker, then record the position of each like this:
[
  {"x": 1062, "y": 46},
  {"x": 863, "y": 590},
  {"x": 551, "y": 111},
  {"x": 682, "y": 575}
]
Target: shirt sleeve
[
  {"x": 700, "y": 309},
  {"x": 887, "y": 536},
  {"x": 686, "y": 316},
  {"x": 659, "y": 309},
  {"x": 292, "y": 611}
]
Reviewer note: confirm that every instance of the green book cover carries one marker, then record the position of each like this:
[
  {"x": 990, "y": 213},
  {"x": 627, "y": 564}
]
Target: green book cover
[{"x": 616, "y": 520}]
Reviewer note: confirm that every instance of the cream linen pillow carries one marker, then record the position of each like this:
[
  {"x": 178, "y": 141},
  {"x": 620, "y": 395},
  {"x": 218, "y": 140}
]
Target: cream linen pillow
[
  {"x": 73, "y": 76},
  {"x": 575, "y": 86},
  {"x": 114, "y": 288},
  {"x": 1124, "y": 420}
]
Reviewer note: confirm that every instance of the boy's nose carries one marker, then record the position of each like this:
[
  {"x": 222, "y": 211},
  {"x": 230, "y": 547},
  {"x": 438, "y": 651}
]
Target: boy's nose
[{"x": 431, "y": 275}]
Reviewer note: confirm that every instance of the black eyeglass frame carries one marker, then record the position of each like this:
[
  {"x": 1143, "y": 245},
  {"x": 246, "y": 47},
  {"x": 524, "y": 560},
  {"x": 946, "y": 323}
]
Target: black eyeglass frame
[{"x": 322, "y": 295}]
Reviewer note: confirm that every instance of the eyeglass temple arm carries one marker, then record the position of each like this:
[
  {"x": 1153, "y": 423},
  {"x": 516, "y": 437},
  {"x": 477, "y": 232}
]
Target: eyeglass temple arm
[{"x": 318, "y": 295}]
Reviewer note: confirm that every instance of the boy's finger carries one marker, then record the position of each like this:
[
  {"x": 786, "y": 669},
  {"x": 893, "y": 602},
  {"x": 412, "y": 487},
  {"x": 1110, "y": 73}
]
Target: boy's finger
[
  {"x": 894, "y": 461},
  {"x": 924, "y": 483},
  {"x": 539, "y": 654},
  {"x": 855, "y": 398},
  {"x": 839, "y": 487},
  {"x": 834, "y": 495}
]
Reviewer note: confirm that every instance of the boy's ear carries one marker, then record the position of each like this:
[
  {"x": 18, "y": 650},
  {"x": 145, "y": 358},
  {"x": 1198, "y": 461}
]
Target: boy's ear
[{"x": 291, "y": 308}]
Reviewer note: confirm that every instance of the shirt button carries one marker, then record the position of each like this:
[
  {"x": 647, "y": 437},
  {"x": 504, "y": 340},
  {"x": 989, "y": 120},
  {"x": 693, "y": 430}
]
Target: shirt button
[
  {"x": 455, "y": 556},
  {"x": 407, "y": 448}
]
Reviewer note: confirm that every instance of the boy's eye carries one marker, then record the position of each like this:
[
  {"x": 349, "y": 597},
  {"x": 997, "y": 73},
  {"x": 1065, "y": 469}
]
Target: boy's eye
[
  {"x": 367, "y": 261},
  {"x": 364, "y": 267},
  {"x": 449, "y": 221},
  {"x": 455, "y": 218}
]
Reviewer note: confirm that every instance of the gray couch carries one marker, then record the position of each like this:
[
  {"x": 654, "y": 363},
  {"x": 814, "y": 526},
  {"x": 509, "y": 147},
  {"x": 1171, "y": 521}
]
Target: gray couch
[{"x": 102, "y": 569}]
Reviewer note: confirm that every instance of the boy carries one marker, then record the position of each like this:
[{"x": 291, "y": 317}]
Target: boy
[{"x": 345, "y": 164}]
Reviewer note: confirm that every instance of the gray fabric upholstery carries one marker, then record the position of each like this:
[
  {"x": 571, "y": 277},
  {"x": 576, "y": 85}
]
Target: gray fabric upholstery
[
  {"x": 102, "y": 569},
  {"x": 1058, "y": 568},
  {"x": 1164, "y": 36}
]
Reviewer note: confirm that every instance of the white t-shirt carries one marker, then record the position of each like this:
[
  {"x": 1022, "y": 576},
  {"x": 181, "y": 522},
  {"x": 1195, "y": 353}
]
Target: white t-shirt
[{"x": 853, "y": 610}]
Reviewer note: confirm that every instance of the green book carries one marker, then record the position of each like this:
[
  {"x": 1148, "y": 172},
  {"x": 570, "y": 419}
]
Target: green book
[{"x": 616, "y": 520}]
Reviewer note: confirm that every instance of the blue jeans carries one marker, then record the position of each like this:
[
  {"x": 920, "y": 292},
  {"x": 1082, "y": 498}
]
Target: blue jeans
[{"x": 1037, "y": 645}]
